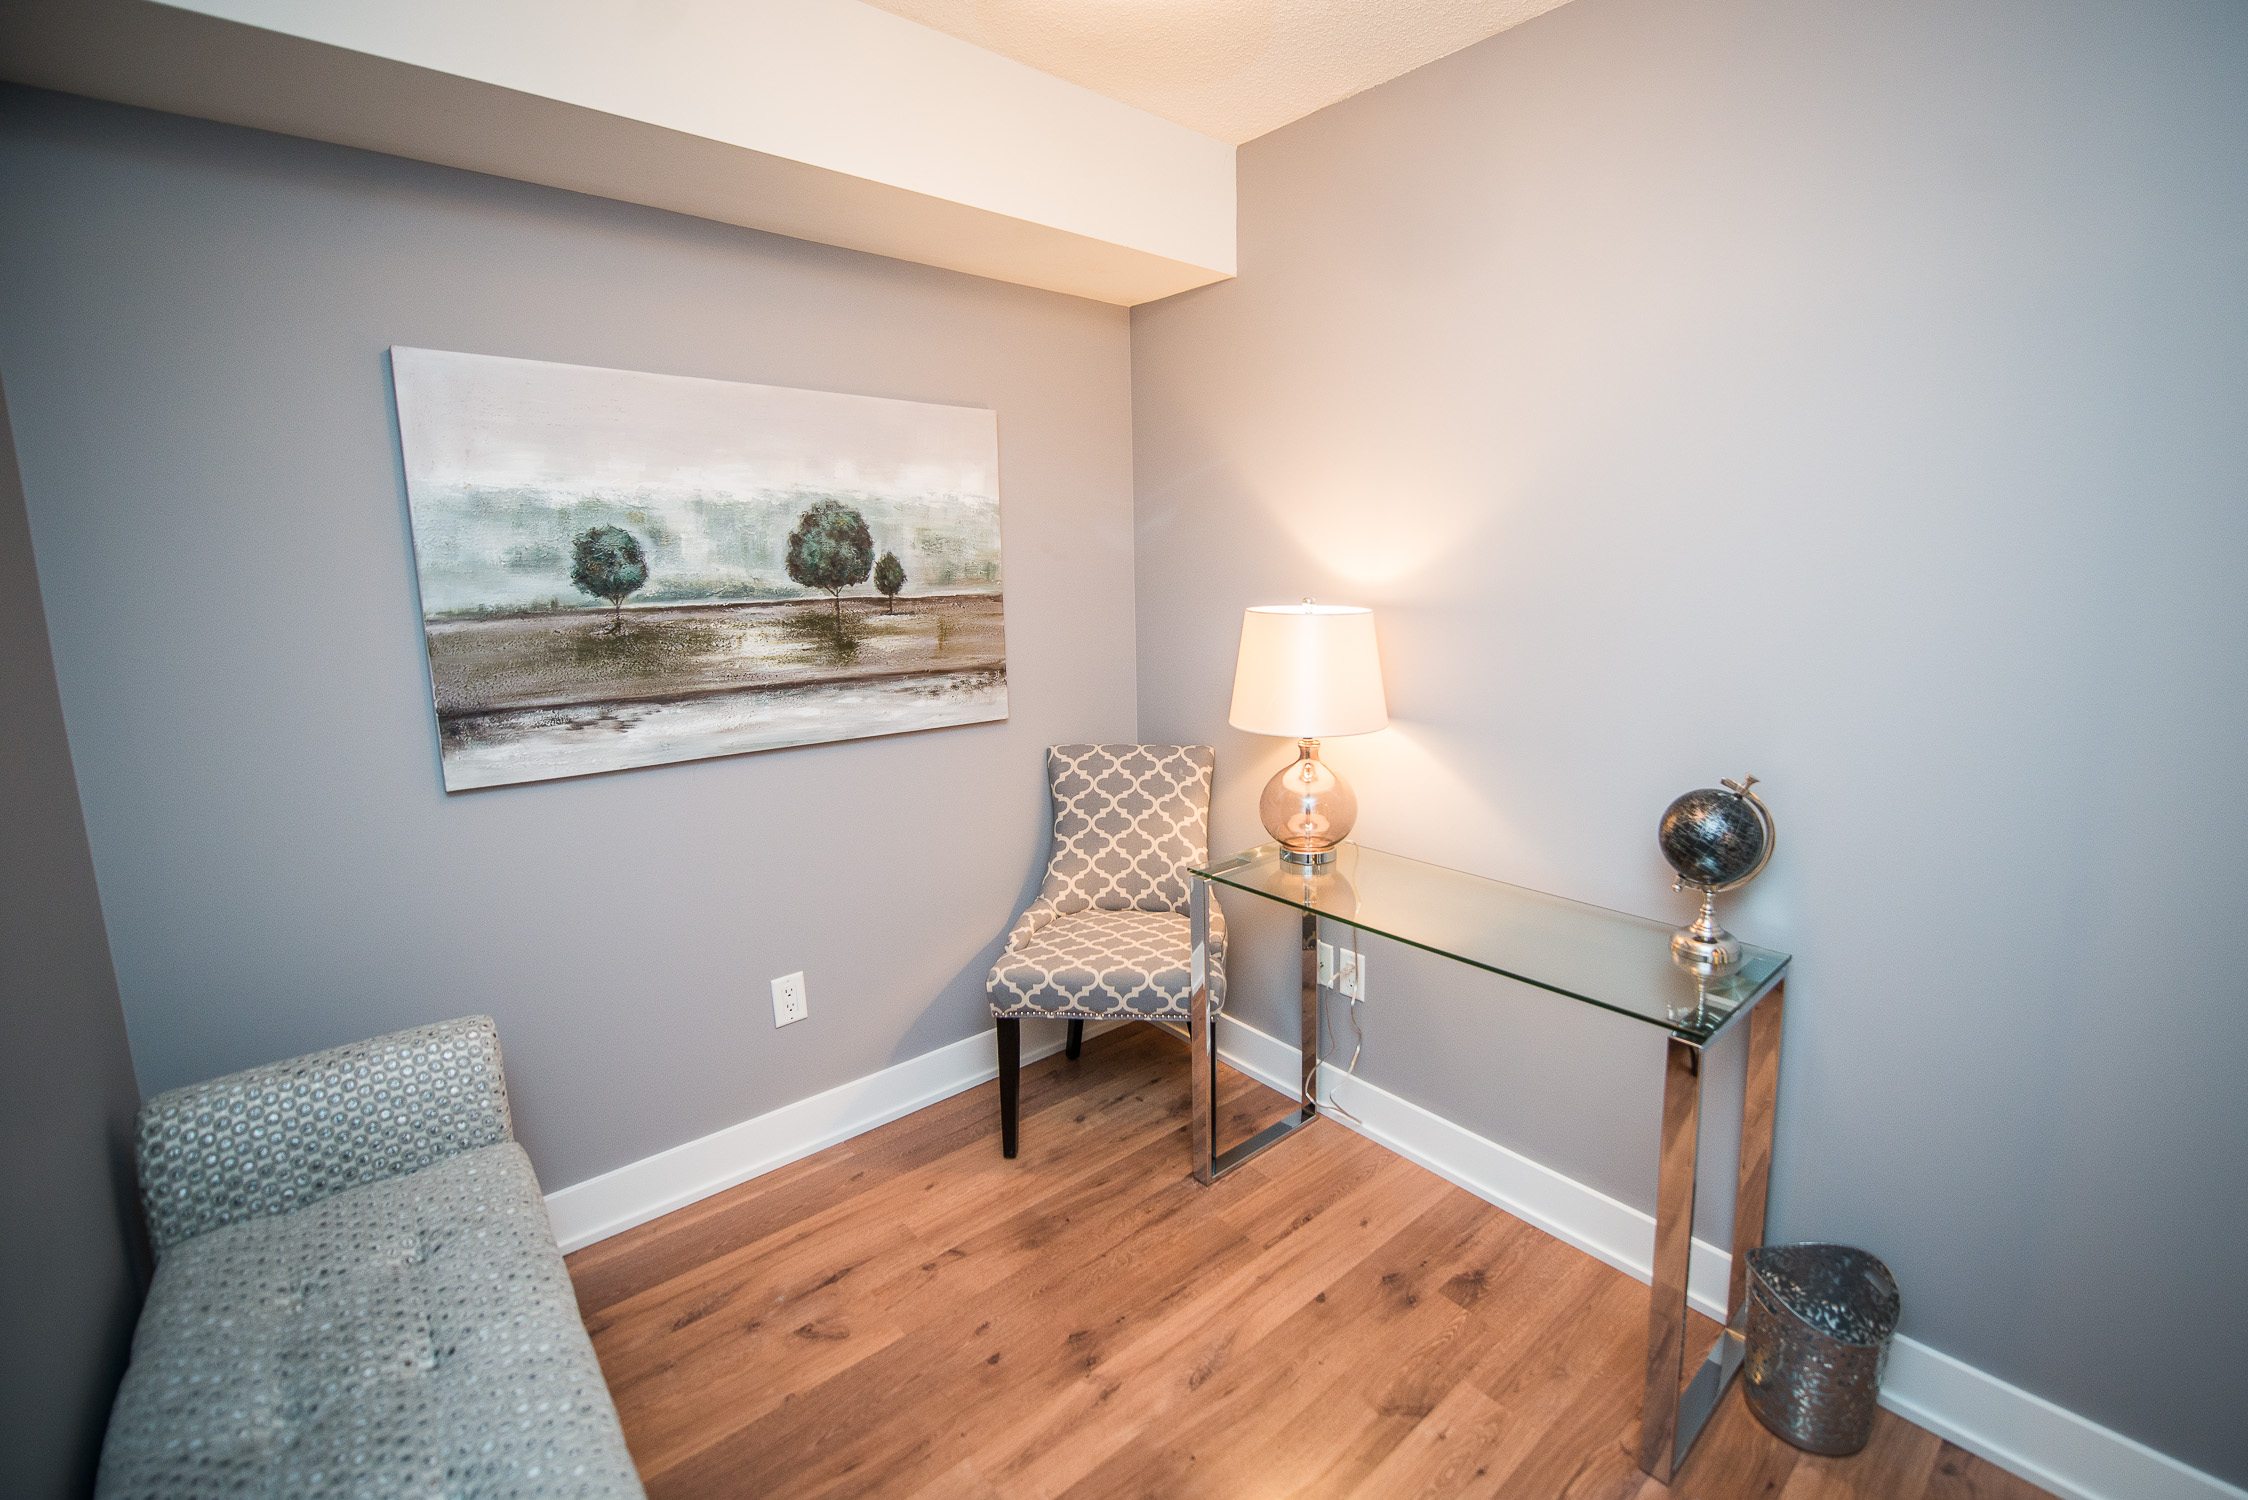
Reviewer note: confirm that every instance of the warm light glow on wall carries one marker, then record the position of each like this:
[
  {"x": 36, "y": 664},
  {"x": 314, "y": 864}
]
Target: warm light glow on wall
[{"x": 1380, "y": 534}]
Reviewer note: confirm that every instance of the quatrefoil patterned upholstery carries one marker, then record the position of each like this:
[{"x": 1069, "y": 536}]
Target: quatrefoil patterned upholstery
[
  {"x": 1108, "y": 937},
  {"x": 357, "y": 1292}
]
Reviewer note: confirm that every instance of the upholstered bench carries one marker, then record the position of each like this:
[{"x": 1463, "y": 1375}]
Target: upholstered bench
[{"x": 357, "y": 1291}]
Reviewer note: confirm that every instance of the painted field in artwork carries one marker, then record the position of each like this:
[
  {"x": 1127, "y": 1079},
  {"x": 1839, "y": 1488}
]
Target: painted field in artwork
[{"x": 621, "y": 569}]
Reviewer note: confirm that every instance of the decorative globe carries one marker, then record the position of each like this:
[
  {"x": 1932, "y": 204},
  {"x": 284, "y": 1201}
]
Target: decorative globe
[{"x": 1712, "y": 837}]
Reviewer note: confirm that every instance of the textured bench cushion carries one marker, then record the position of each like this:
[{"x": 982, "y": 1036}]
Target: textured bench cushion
[
  {"x": 273, "y": 1139},
  {"x": 415, "y": 1336}
]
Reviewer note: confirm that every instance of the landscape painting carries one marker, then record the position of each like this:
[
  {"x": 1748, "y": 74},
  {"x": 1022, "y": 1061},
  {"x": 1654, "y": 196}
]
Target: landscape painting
[{"x": 622, "y": 569}]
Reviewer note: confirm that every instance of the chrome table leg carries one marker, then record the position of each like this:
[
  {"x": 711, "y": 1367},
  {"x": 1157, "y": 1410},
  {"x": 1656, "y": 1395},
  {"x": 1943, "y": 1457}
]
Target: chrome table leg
[
  {"x": 1671, "y": 1418},
  {"x": 1674, "y": 1249},
  {"x": 1211, "y": 1163},
  {"x": 1759, "y": 1096},
  {"x": 1202, "y": 1051},
  {"x": 1307, "y": 1096}
]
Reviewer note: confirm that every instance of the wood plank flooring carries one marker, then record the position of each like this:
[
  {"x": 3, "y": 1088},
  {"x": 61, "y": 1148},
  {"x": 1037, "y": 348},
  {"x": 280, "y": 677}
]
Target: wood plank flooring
[{"x": 910, "y": 1314}]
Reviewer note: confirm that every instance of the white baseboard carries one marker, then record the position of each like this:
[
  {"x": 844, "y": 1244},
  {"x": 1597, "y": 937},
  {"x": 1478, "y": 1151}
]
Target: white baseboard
[
  {"x": 2023, "y": 1433},
  {"x": 646, "y": 1189},
  {"x": 2026, "y": 1434}
]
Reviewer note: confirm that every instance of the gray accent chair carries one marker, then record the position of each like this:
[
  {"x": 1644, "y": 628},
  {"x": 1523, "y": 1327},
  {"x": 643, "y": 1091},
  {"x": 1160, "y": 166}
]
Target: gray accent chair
[
  {"x": 1108, "y": 936},
  {"x": 357, "y": 1292}
]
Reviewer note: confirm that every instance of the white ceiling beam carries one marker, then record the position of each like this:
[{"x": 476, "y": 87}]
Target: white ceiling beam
[{"x": 824, "y": 120}]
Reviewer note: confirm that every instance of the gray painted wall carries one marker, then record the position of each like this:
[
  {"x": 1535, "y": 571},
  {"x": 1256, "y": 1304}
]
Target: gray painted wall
[
  {"x": 1851, "y": 394},
  {"x": 194, "y": 345},
  {"x": 69, "y": 1241}
]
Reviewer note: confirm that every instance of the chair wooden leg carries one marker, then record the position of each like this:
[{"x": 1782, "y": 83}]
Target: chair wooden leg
[
  {"x": 1076, "y": 1039},
  {"x": 1010, "y": 1081}
]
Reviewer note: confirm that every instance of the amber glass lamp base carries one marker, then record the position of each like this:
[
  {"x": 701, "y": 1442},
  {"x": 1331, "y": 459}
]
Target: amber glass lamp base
[{"x": 1307, "y": 808}]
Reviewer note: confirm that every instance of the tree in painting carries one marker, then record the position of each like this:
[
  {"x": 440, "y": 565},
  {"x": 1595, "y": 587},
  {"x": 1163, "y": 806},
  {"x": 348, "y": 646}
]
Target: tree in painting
[
  {"x": 606, "y": 562},
  {"x": 889, "y": 578},
  {"x": 830, "y": 549}
]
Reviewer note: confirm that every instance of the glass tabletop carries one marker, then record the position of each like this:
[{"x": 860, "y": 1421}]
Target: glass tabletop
[{"x": 1605, "y": 958}]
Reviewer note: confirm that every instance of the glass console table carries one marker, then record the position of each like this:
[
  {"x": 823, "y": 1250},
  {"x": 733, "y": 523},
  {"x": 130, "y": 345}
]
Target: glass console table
[{"x": 1603, "y": 958}]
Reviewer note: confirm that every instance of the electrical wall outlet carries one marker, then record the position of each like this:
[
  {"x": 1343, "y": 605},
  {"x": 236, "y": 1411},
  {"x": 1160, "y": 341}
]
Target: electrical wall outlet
[
  {"x": 1342, "y": 970},
  {"x": 789, "y": 1003}
]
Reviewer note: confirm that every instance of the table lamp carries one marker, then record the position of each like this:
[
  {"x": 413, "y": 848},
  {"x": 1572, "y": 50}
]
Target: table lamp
[{"x": 1308, "y": 672}]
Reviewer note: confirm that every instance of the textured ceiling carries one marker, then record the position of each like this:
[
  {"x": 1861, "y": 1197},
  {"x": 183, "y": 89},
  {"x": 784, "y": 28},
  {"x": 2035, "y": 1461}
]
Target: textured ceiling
[{"x": 1233, "y": 69}]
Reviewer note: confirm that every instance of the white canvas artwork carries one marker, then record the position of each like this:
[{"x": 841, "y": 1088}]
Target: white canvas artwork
[{"x": 622, "y": 569}]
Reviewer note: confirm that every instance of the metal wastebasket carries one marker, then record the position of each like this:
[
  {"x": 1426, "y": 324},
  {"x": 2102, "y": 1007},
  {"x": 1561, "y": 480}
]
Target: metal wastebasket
[{"x": 1819, "y": 1322}]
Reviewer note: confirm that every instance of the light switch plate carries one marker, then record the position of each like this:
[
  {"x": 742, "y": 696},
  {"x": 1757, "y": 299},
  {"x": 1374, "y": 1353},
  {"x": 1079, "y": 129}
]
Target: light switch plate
[{"x": 789, "y": 1002}]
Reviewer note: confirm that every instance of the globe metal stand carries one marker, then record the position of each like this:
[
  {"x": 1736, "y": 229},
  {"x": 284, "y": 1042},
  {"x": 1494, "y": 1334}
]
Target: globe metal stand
[{"x": 1702, "y": 947}]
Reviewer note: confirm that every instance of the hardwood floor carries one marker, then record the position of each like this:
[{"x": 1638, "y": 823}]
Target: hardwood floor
[{"x": 909, "y": 1314}]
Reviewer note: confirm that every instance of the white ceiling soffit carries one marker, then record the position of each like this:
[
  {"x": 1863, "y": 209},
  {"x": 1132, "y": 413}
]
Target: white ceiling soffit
[
  {"x": 825, "y": 120},
  {"x": 1232, "y": 69}
]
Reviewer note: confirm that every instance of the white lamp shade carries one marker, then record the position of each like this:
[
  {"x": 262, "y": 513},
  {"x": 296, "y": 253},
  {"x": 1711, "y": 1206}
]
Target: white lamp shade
[{"x": 1308, "y": 672}]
